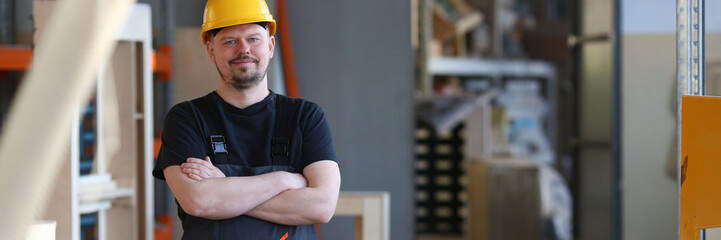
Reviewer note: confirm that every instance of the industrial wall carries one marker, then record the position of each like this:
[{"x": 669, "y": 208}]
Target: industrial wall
[
  {"x": 648, "y": 136},
  {"x": 354, "y": 58},
  {"x": 650, "y": 197}
]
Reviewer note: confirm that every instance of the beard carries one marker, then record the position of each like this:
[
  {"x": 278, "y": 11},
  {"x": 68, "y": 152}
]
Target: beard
[{"x": 244, "y": 77}]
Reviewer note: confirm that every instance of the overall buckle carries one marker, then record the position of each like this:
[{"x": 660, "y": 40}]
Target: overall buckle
[{"x": 218, "y": 144}]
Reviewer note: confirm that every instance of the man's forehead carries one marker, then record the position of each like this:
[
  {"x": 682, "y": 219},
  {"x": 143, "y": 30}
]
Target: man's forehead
[{"x": 248, "y": 28}]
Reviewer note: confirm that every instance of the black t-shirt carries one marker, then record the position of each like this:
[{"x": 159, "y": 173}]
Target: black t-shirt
[{"x": 247, "y": 134}]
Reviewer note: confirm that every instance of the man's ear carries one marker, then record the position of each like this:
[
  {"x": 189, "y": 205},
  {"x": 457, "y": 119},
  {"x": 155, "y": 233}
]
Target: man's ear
[
  {"x": 209, "y": 49},
  {"x": 272, "y": 46}
]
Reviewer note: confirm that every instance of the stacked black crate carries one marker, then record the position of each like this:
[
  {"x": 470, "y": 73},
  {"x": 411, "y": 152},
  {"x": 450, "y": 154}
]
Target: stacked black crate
[{"x": 440, "y": 180}]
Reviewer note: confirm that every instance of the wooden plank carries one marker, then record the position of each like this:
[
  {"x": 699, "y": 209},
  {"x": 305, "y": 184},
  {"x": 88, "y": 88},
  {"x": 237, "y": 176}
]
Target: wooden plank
[
  {"x": 42, "y": 230},
  {"x": 372, "y": 212},
  {"x": 195, "y": 74},
  {"x": 504, "y": 200},
  {"x": 349, "y": 206},
  {"x": 121, "y": 164},
  {"x": 358, "y": 235},
  {"x": 95, "y": 207},
  {"x": 105, "y": 195},
  {"x": 373, "y": 219},
  {"x": 62, "y": 208},
  {"x": 139, "y": 30},
  {"x": 515, "y": 211},
  {"x": 477, "y": 203},
  {"x": 63, "y": 193},
  {"x": 142, "y": 172},
  {"x": 475, "y": 147}
]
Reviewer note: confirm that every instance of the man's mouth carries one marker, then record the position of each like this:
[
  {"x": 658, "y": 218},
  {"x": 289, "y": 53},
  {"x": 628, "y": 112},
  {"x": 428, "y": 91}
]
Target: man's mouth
[{"x": 243, "y": 60}]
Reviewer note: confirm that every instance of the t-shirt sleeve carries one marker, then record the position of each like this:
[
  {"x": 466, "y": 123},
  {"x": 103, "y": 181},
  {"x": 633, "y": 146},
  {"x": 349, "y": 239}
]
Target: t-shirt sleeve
[
  {"x": 317, "y": 137},
  {"x": 182, "y": 138}
]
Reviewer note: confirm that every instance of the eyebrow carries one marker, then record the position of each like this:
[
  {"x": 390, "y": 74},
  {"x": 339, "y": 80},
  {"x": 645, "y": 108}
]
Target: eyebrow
[
  {"x": 255, "y": 34},
  {"x": 234, "y": 37}
]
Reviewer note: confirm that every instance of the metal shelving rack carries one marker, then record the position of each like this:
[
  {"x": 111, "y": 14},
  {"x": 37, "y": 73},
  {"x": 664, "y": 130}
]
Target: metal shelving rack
[
  {"x": 499, "y": 70},
  {"x": 496, "y": 72}
]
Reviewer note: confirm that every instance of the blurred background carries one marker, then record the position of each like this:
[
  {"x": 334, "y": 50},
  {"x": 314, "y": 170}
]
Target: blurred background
[{"x": 476, "y": 119}]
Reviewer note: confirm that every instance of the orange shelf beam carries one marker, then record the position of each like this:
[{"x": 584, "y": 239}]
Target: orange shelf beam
[
  {"x": 15, "y": 58},
  {"x": 162, "y": 61},
  {"x": 286, "y": 49},
  {"x": 20, "y": 59}
]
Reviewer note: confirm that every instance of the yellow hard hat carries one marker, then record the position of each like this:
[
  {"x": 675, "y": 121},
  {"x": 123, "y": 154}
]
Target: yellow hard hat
[{"x": 224, "y": 13}]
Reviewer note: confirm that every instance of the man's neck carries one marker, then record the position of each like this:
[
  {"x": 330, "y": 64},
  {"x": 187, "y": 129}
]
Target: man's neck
[{"x": 245, "y": 97}]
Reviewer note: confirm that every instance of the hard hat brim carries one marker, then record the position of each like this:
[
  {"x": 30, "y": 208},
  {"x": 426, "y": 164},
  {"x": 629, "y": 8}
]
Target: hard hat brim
[{"x": 205, "y": 34}]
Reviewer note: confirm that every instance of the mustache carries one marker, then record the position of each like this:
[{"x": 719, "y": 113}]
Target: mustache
[{"x": 244, "y": 57}]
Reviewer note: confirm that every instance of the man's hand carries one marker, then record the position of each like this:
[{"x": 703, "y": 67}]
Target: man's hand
[
  {"x": 295, "y": 180},
  {"x": 198, "y": 169}
]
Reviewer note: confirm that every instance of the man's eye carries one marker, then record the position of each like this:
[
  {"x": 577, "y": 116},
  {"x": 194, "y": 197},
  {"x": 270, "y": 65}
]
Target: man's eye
[
  {"x": 230, "y": 42},
  {"x": 253, "y": 40}
]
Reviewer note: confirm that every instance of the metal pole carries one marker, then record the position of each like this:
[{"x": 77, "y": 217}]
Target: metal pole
[
  {"x": 681, "y": 88},
  {"x": 690, "y": 66},
  {"x": 683, "y": 53},
  {"x": 699, "y": 44},
  {"x": 617, "y": 147}
]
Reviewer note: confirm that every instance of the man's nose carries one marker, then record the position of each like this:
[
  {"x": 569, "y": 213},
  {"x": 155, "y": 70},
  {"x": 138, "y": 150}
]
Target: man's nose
[{"x": 244, "y": 47}]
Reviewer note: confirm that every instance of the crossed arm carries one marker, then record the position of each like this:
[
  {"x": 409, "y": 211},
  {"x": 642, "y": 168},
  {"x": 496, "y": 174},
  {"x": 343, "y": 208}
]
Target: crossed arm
[{"x": 280, "y": 197}]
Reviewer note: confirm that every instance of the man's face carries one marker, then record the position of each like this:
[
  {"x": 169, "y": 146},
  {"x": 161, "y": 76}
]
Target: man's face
[{"x": 241, "y": 54}]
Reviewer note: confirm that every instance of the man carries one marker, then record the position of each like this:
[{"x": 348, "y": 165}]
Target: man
[{"x": 242, "y": 161}]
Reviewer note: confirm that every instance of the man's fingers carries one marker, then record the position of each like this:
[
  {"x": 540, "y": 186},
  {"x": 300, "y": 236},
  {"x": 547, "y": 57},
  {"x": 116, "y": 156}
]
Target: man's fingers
[
  {"x": 189, "y": 170},
  {"x": 194, "y": 176},
  {"x": 201, "y": 167},
  {"x": 194, "y": 165},
  {"x": 197, "y": 171},
  {"x": 195, "y": 160},
  {"x": 205, "y": 162},
  {"x": 191, "y": 165}
]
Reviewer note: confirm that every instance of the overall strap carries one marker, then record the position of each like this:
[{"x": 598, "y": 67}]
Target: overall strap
[
  {"x": 215, "y": 137},
  {"x": 280, "y": 143}
]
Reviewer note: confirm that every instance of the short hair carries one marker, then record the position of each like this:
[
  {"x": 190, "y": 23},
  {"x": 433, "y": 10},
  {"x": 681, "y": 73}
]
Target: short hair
[{"x": 214, "y": 32}]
